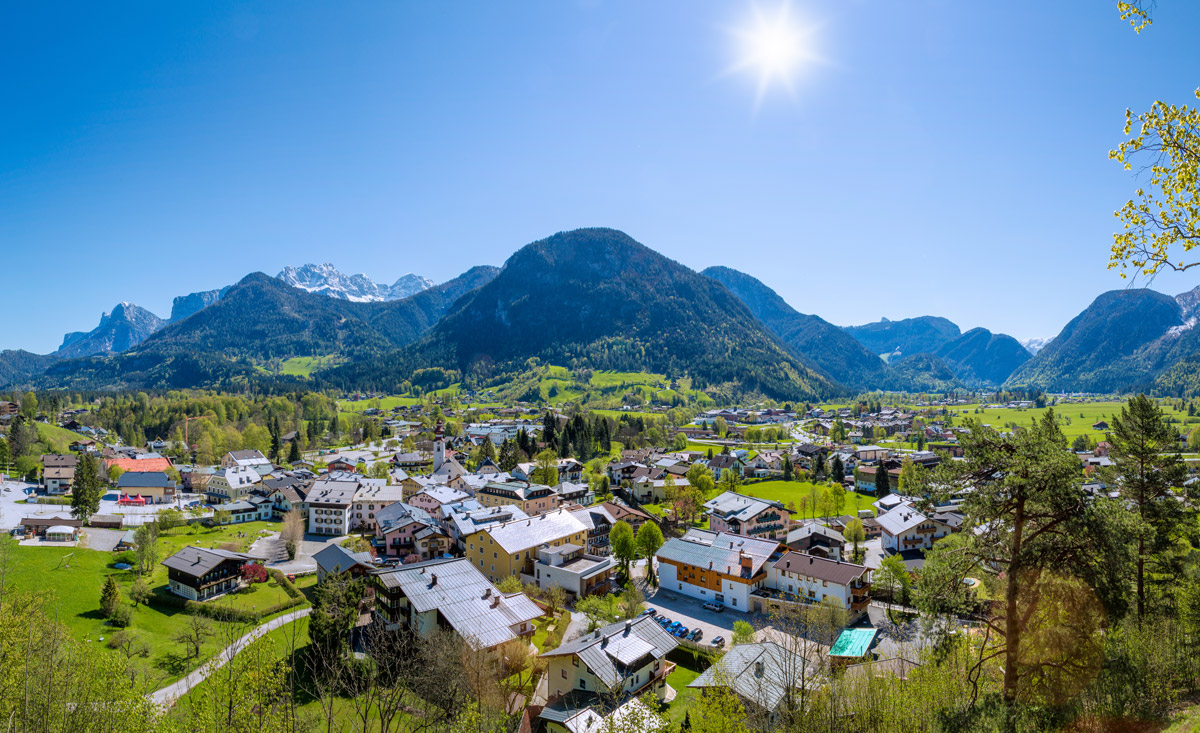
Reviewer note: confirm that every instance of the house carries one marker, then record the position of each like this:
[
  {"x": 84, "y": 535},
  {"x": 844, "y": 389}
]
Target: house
[
  {"x": 340, "y": 464},
  {"x": 232, "y": 484},
  {"x": 408, "y": 530},
  {"x": 251, "y": 509},
  {"x": 287, "y": 492},
  {"x": 568, "y": 470},
  {"x": 1102, "y": 425},
  {"x": 906, "y": 528},
  {"x": 453, "y": 594},
  {"x": 249, "y": 458},
  {"x": 38, "y": 526},
  {"x": 578, "y": 711},
  {"x": 725, "y": 462},
  {"x": 635, "y": 518},
  {"x": 334, "y": 559},
  {"x": 373, "y": 495},
  {"x": 797, "y": 577},
  {"x": 622, "y": 660},
  {"x": 58, "y": 479},
  {"x": 598, "y": 524},
  {"x": 530, "y": 498},
  {"x": 435, "y": 498},
  {"x": 8, "y": 409},
  {"x": 654, "y": 491},
  {"x": 575, "y": 493},
  {"x": 871, "y": 453},
  {"x": 765, "y": 676},
  {"x": 86, "y": 445},
  {"x": 155, "y": 487},
  {"x": 200, "y": 574},
  {"x": 739, "y": 514},
  {"x": 468, "y": 517},
  {"x": 329, "y": 504},
  {"x": 716, "y": 566},
  {"x": 578, "y": 573},
  {"x": 510, "y": 548},
  {"x": 816, "y": 539}
]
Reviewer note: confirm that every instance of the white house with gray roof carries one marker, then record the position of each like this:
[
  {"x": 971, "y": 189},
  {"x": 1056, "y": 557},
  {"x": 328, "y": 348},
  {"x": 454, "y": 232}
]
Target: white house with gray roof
[
  {"x": 763, "y": 675},
  {"x": 622, "y": 660},
  {"x": 740, "y": 514},
  {"x": 718, "y": 567}
]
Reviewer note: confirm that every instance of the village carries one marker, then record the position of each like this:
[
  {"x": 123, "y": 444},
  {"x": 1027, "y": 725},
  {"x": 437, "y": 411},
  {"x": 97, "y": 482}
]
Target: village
[{"x": 785, "y": 555}]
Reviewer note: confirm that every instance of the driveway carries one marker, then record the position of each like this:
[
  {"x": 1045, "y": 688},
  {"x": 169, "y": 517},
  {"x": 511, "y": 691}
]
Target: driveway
[{"x": 104, "y": 540}]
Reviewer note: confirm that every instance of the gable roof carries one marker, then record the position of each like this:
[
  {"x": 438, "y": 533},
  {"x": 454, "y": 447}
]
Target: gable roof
[
  {"x": 196, "y": 561},
  {"x": 614, "y": 651},
  {"x": 522, "y": 534},
  {"x": 722, "y": 552},
  {"x": 472, "y": 606},
  {"x": 334, "y": 558},
  {"x": 760, "y": 672},
  {"x": 832, "y": 571},
  {"x": 730, "y": 505}
]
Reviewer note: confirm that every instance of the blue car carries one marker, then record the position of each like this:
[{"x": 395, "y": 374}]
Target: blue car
[
  {"x": 650, "y": 612},
  {"x": 674, "y": 626},
  {"x": 682, "y": 632}
]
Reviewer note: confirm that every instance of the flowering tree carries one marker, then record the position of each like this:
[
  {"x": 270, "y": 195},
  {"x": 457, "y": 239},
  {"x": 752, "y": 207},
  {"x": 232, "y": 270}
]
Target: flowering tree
[{"x": 253, "y": 572}]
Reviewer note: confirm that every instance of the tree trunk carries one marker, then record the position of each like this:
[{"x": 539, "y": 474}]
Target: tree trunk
[{"x": 1012, "y": 619}]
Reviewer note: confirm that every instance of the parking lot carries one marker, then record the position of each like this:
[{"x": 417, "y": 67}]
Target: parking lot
[{"x": 690, "y": 612}]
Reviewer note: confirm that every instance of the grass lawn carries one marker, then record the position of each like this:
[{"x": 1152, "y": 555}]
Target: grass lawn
[
  {"x": 241, "y": 535},
  {"x": 56, "y": 437},
  {"x": 1187, "y": 721},
  {"x": 1076, "y": 418},
  {"x": 73, "y": 589},
  {"x": 794, "y": 491},
  {"x": 687, "y": 668}
]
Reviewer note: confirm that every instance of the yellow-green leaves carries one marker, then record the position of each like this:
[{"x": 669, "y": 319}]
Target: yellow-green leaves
[
  {"x": 1164, "y": 216},
  {"x": 1133, "y": 12}
]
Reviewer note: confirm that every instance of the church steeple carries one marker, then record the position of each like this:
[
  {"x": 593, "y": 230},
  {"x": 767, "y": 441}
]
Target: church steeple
[{"x": 439, "y": 446}]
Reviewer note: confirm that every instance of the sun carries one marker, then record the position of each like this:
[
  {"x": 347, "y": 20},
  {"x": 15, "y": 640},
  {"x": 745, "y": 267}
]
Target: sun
[{"x": 775, "y": 47}]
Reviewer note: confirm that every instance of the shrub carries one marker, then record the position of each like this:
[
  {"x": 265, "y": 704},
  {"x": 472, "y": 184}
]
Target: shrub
[
  {"x": 121, "y": 616},
  {"x": 129, "y": 557},
  {"x": 253, "y": 572}
]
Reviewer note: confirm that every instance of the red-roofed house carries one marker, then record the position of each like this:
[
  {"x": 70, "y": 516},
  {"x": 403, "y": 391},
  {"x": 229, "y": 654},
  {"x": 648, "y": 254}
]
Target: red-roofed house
[{"x": 135, "y": 465}]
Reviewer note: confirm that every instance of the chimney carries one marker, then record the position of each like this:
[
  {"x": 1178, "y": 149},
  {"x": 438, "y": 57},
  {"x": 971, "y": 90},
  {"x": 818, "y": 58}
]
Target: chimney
[
  {"x": 758, "y": 668},
  {"x": 487, "y": 592},
  {"x": 628, "y": 626},
  {"x": 433, "y": 578}
]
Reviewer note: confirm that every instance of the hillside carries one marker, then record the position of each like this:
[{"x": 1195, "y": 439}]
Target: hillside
[
  {"x": 125, "y": 327},
  {"x": 982, "y": 357},
  {"x": 185, "y": 305},
  {"x": 819, "y": 343},
  {"x": 19, "y": 367},
  {"x": 596, "y": 298},
  {"x": 921, "y": 335},
  {"x": 926, "y": 373},
  {"x": 1121, "y": 341},
  {"x": 261, "y": 319}
]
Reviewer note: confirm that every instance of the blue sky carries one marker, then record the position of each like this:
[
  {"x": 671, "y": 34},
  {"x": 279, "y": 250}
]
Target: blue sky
[{"x": 944, "y": 157}]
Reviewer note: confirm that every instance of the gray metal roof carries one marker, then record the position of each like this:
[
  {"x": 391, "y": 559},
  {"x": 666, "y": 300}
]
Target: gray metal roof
[
  {"x": 724, "y": 553},
  {"x": 464, "y": 597},
  {"x": 196, "y": 561},
  {"x": 615, "y": 651},
  {"x": 760, "y": 672},
  {"x": 523, "y": 534},
  {"x": 730, "y": 505},
  {"x": 335, "y": 558}
]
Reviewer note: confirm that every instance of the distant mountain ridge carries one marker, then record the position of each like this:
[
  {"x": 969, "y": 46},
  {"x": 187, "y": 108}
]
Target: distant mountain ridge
[
  {"x": 125, "y": 327},
  {"x": 920, "y": 335},
  {"x": 1124, "y": 340},
  {"x": 596, "y": 298},
  {"x": 328, "y": 280},
  {"x": 185, "y": 305},
  {"x": 982, "y": 357},
  {"x": 821, "y": 344}
]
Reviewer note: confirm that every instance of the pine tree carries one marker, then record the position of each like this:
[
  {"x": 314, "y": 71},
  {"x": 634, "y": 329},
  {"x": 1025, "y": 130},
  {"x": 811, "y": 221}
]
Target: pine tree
[
  {"x": 110, "y": 597},
  {"x": 86, "y": 489},
  {"x": 837, "y": 470},
  {"x": 882, "y": 481},
  {"x": 787, "y": 468},
  {"x": 1147, "y": 468},
  {"x": 294, "y": 451}
]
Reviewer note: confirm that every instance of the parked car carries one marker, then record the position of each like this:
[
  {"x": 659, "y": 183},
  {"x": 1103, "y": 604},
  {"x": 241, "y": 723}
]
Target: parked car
[
  {"x": 714, "y": 607},
  {"x": 696, "y": 634},
  {"x": 682, "y": 632},
  {"x": 718, "y": 641},
  {"x": 650, "y": 612},
  {"x": 663, "y": 621}
]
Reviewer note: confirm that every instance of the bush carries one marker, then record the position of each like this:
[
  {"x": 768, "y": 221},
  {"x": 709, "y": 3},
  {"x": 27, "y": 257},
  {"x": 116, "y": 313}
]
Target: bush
[
  {"x": 121, "y": 616},
  {"x": 129, "y": 557}
]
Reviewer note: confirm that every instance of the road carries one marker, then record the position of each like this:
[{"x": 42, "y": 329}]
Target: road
[{"x": 172, "y": 692}]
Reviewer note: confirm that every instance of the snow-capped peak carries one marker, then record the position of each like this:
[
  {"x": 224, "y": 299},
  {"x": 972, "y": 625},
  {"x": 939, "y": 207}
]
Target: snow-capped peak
[
  {"x": 328, "y": 280},
  {"x": 1034, "y": 345}
]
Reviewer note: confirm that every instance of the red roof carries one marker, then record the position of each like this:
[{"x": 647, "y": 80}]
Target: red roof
[{"x": 139, "y": 466}]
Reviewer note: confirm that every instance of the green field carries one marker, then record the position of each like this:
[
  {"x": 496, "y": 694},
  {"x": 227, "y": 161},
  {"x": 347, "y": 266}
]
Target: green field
[
  {"x": 796, "y": 492},
  {"x": 56, "y": 438},
  {"x": 72, "y": 579},
  {"x": 1076, "y": 418}
]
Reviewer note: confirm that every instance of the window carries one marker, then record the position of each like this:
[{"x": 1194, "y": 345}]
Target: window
[{"x": 564, "y": 674}]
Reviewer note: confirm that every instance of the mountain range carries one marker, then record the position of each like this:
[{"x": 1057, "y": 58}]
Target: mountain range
[
  {"x": 328, "y": 280},
  {"x": 597, "y": 299}
]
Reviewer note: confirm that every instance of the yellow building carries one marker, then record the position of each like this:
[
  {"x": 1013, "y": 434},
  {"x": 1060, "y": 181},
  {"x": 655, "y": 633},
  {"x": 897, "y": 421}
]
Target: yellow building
[{"x": 511, "y": 548}]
